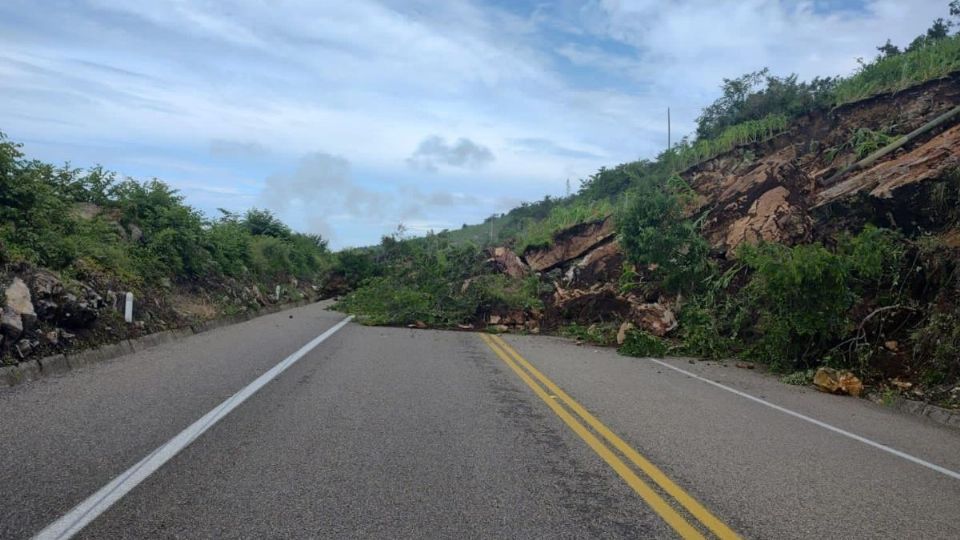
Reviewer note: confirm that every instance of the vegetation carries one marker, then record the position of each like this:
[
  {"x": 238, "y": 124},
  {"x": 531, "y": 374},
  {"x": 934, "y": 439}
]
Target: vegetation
[
  {"x": 642, "y": 344},
  {"x": 75, "y": 221},
  {"x": 436, "y": 282},
  {"x": 540, "y": 233},
  {"x": 930, "y": 58}
]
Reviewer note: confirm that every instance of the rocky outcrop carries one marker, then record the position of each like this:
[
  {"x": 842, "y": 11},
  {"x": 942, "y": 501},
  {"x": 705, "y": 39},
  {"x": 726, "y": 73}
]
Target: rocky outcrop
[
  {"x": 771, "y": 190},
  {"x": 602, "y": 264},
  {"x": 771, "y": 218},
  {"x": 505, "y": 261},
  {"x": 928, "y": 161},
  {"x": 570, "y": 244}
]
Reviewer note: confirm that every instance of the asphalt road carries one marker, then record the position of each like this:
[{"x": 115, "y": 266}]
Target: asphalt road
[{"x": 394, "y": 433}]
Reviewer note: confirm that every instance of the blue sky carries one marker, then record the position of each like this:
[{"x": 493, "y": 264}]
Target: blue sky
[{"x": 348, "y": 118}]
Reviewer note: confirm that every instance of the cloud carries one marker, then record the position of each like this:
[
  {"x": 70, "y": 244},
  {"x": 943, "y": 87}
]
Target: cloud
[
  {"x": 546, "y": 146},
  {"x": 225, "y": 148},
  {"x": 434, "y": 151},
  {"x": 322, "y": 188}
]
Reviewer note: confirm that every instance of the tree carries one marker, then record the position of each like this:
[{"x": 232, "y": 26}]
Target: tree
[
  {"x": 264, "y": 223},
  {"x": 889, "y": 49}
]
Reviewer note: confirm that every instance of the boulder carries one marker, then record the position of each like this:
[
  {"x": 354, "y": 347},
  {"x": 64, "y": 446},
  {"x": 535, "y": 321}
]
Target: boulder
[
  {"x": 45, "y": 285},
  {"x": 837, "y": 382},
  {"x": 11, "y": 324},
  {"x": 18, "y": 302},
  {"x": 570, "y": 244},
  {"x": 654, "y": 318},
  {"x": 73, "y": 312},
  {"x": 507, "y": 262}
]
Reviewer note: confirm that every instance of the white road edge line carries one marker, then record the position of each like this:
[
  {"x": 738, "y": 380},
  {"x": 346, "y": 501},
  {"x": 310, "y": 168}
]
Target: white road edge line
[
  {"x": 854, "y": 436},
  {"x": 82, "y": 514}
]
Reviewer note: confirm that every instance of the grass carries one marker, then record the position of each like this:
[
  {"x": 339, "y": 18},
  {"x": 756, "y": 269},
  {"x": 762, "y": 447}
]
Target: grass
[
  {"x": 686, "y": 155},
  {"x": 541, "y": 233},
  {"x": 901, "y": 71}
]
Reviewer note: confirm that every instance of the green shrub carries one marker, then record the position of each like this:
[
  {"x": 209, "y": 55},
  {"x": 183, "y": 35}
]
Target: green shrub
[
  {"x": 936, "y": 346},
  {"x": 642, "y": 344},
  {"x": 654, "y": 230},
  {"x": 800, "y": 296},
  {"x": 498, "y": 291},
  {"x": 604, "y": 334}
]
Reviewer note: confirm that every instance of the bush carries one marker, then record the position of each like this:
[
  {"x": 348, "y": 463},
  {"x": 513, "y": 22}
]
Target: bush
[
  {"x": 654, "y": 230},
  {"x": 642, "y": 344},
  {"x": 67, "y": 219},
  {"x": 604, "y": 334},
  {"x": 800, "y": 296}
]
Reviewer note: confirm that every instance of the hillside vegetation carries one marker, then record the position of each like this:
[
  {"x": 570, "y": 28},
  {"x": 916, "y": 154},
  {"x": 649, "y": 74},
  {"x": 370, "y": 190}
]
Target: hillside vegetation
[{"x": 858, "y": 289}]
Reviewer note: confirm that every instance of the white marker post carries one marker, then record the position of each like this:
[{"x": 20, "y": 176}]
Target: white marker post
[
  {"x": 128, "y": 308},
  {"x": 278, "y": 293}
]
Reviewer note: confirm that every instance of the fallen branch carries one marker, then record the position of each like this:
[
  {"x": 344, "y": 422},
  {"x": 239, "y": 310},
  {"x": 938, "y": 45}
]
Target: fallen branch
[{"x": 869, "y": 160}]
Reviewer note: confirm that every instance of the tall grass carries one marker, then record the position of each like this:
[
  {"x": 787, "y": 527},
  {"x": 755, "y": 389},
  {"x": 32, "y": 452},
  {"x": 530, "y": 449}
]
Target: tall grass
[
  {"x": 890, "y": 74},
  {"x": 688, "y": 154},
  {"x": 540, "y": 233}
]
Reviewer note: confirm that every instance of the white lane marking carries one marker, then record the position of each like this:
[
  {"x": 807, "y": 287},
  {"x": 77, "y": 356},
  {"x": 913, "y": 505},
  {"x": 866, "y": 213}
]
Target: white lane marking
[
  {"x": 854, "y": 436},
  {"x": 85, "y": 512}
]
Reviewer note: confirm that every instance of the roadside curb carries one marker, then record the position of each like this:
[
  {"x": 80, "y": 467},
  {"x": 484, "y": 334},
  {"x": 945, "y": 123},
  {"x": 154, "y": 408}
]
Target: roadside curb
[
  {"x": 918, "y": 408},
  {"x": 60, "y": 363}
]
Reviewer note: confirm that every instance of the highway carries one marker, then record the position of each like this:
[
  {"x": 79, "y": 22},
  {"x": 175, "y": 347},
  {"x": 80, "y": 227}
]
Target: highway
[{"x": 302, "y": 424}]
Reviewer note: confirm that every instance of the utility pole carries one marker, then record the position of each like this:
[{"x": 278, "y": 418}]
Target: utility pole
[{"x": 668, "y": 129}]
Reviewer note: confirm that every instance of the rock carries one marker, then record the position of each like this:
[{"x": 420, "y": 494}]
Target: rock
[
  {"x": 85, "y": 211},
  {"x": 570, "y": 244},
  {"x": 46, "y": 310},
  {"x": 52, "y": 337},
  {"x": 495, "y": 319},
  {"x": 892, "y": 345},
  {"x": 771, "y": 218},
  {"x": 745, "y": 365},
  {"x": 45, "y": 285},
  {"x": 902, "y": 385},
  {"x": 73, "y": 312},
  {"x": 654, "y": 318},
  {"x": 506, "y": 261},
  {"x": 18, "y": 301},
  {"x": 625, "y": 327},
  {"x": 136, "y": 233},
  {"x": 532, "y": 326},
  {"x": 837, "y": 382},
  {"x": 598, "y": 303},
  {"x": 501, "y": 328},
  {"x": 465, "y": 326},
  {"x": 25, "y": 347},
  {"x": 11, "y": 325},
  {"x": 419, "y": 324},
  {"x": 602, "y": 264}
]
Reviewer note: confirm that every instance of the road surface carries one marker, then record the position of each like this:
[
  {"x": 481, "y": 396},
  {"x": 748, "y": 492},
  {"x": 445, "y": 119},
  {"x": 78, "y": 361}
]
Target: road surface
[{"x": 396, "y": 433}]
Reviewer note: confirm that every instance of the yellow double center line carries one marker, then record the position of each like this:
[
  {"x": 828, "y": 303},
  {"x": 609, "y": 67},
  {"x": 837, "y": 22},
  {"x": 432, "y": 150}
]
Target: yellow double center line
[{"x": 551, "y": 394}]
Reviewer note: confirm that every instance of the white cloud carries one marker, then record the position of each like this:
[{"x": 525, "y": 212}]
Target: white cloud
[{"x": 434, "y": 151}]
